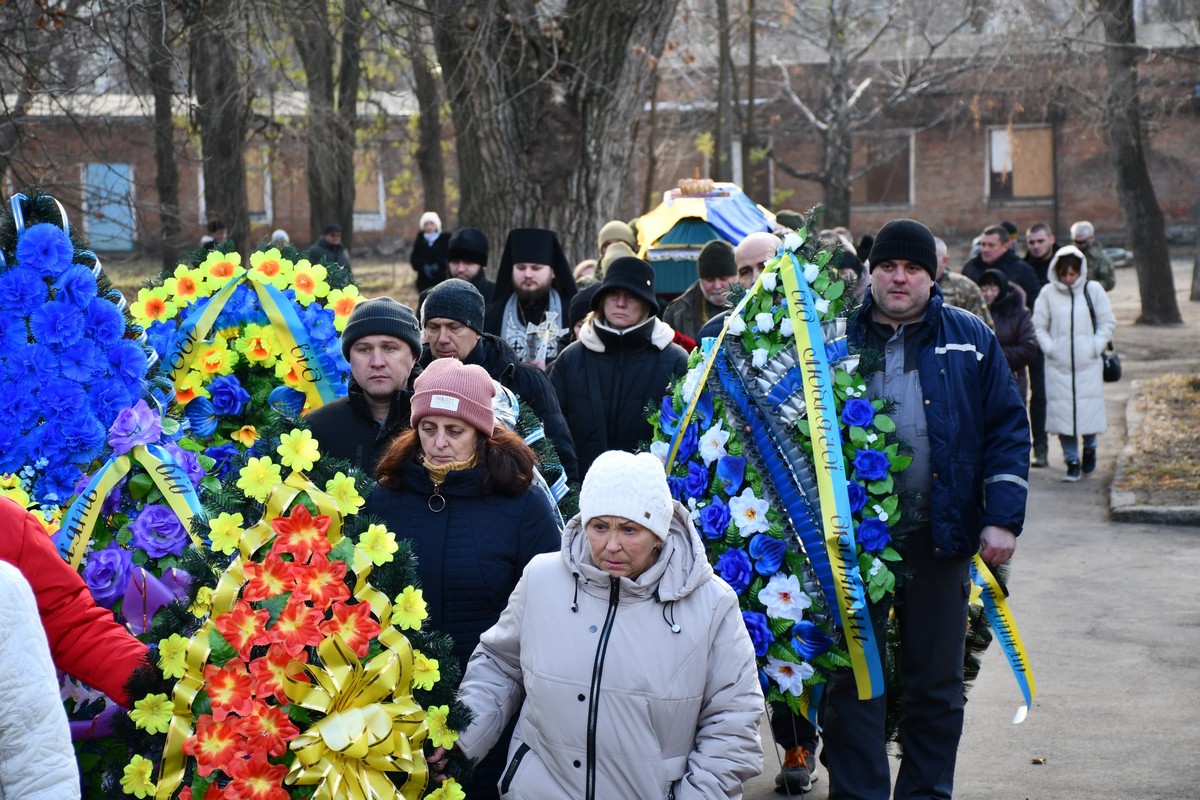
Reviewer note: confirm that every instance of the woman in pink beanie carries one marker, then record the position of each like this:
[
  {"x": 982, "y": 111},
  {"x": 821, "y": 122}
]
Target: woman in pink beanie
[{"x": 459, "y": 487}]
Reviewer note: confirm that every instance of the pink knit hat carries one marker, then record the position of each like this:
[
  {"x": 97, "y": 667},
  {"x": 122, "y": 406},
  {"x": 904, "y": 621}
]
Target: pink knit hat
[{"x": 450, "y": 388}]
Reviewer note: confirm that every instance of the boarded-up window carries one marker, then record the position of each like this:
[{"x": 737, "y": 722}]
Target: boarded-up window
[
  {"x": 1021, "y": 163},
  {"x": 367, "y": 186},
  {"x": 888, "y": 177}
]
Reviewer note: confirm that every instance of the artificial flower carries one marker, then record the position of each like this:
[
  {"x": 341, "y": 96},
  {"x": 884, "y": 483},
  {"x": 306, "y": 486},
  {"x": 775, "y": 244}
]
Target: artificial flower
[
  {"x": 260, "y": 345},
  {"x": 342, "y": 301},
  {"x": 660, "y": 449},
  {"x": 152, "y": 305},
  {"x": 203, "y": 602},
  {"x": 134, "y": 426},
  {"x": 378, "y": 544},
  {"x": 138, "y": 777},
  {"x": 267, "y": 729},
  {"x": 301, "y": 534},
  {"x": 858, "y": 412},
  {"x": 873, "y": 535},
  {"x": 269, "y": 578},
  {"x": 215, "y": 358},
  {"x": 767, "y": 552},
  {"x": 870, "y": 465},
  {"x": 784, "y": 598},
  {"x": 321, "y": 582},
  {"x": 216, "y": 744},
  {"x": 201, "y": 417},
  {"x": 189, "y": 387},
  {"x": 225, "y": 531},
  {"x": 270, "y": 670},
  {"x": 152, "y": 713},
  {"x": 243, "y": 627},
  {"x": 759, "y": 629},
  {"x": 409, "y": 611},
  {"x": 808, "y": 640},
  {"x": 425, "y": 671},
  {"x": 440, "y": 733},
  {"x": 256, "y": 778},
  {"x": 354, "y": 625},
  {"x": 749, "y": 513},
  {"x": 343, "y": 491},
  {"x": 298, "y": 450},
  {"x": 219, "y": 268},
  {"x": 45, "y": 248},
  {"x": 758, "y": 357},
  {"x": 297, "y": 627},
  {"x": 449, "y": 790},
  {"x": 308, "y": 280},
  {"x": 734, "y": 566},
  {"x": 184, "y": 285},
  {"x": 715, "y": 519},
  {"x": 765, "y": 321},
  {"x": 787, "y": 328},
  {"x": 229, "y": 688},
  {"x": 158, "y": 531},
  {"x": 737, "y": 325},
  {"x": 712, "y": 444},
  {"x": 259, "y": 478},
  {"x": 788, "y": 676},
  {"x": 270, "y": 267},
  {"x": 769, "y": 279},
  {"x": 811, "y": 271},
  {"x": 246, "y": 436},
  {"x": 172, "y": 655},
  {"x": 731, "y": 472},
  {"x": 228, "y": 396}
]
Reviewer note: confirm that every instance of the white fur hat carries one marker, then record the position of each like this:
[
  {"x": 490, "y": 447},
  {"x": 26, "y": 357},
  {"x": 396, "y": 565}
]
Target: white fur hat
[
  {"x": 634, "y": 487},
  {"x": 431, "y": 216}
]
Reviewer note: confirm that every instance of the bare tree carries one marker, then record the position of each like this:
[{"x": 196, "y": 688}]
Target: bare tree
[
  {"x": 1143, "y": 215},
  {"x": 430, "y": 163},
  {"x": 543, "y": 98}
]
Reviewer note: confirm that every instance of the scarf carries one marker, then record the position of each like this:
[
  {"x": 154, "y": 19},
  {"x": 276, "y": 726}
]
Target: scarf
[
  {"x": 438, "y": 472},
  {"x": 533, "y": 342}
]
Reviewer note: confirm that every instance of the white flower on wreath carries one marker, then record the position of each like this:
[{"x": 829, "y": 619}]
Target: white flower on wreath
[
  {"x": 821, "y": 304},
  {"x": 793, "y": 241},
  {"x": 737, "y": 326},
  {"x": 769, "y": 281},
  {"x": 783, "y": 597},
  {"x": 660, "y": 450},
  {"x": 759, "y": 357},
  {"x": 765, "y": 321},
  {"x": 788, "y": 676},
  {"x": 786, "y": 330},
  {"x": 712, "y": 444},
  {"x": 876, "y": 565},
  {"x": 749, "y": 513},
  {"x": 691, "y": 383},
  {"x": 811, "y": 271}
]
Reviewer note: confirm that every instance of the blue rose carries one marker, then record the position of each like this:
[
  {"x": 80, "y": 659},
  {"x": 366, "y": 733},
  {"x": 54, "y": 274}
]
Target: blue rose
[
  {"x": 873, "y": 535},
  {"x": 858, "y": 412},
  {"x": 808, "y": 640},
  {"x": 689, "y": 443},
  {"x": 676, "y": 484},
  {"x": 225, "y": 456},
  {"x": 715, "y": 519},
  {"x": 857, "y": 494},
  {"x": 767, "y": 552},
  {"x": 159, "y": 532},
  {"x": 696, "y": 483},
  {"x": 107, "y": 574},
  {"x": 734, "y": 567},
  {"x": 759, "y": 630},
  {"x": 227, "y": 395},
  {"x": 871, "y": 465},
  {"x": 731, "y": 471}
]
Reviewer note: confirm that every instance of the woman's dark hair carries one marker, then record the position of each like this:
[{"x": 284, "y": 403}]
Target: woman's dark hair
[
  {"x": 1067, "y": 261},
  {"x": 507, "y": 461}
]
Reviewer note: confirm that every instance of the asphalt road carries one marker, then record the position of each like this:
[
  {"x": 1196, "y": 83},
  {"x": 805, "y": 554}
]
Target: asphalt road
[{"x": 1110, "y": 616}]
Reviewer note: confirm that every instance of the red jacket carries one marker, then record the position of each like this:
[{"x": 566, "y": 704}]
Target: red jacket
[{"x": 85, "y": 641}]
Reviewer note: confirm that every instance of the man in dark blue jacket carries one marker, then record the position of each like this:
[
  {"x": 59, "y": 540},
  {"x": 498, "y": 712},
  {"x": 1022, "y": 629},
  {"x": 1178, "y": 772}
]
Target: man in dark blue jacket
[{"x": 957, "y": 407}]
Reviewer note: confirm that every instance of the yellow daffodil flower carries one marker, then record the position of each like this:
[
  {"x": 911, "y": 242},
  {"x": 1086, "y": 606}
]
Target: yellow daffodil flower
[
  {"x": 185, "y": 285},
  {"x": 152, "y": 305},
  {"x": 215, "y": 358},
  {"x": 190, "y": 386},
  {"x": 298, "y": 450},
  {"x": 219, "y": 269},
  {"x": 225, "y": 532},
  {"x": 342, "y": 301},
  {"x": 152, "y": 713},
  {"x": 246, "y": 436},
  {"x": 259, "y": 344},
  {"x": 308, "y": 281},
  {"x": 270, "y": 267},
  {"x": 259, "y": 477},
  {"x": 204, "y": 600}
]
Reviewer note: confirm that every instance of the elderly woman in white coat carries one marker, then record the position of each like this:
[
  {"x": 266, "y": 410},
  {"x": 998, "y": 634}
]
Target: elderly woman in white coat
[
  {"x": 636, "y": 671},
  {"x": 1073, "y": 342}
]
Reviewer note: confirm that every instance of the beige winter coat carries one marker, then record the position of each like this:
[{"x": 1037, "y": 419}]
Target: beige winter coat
[
  {"x": 643, "y": 689},
  {"x": 1073, "y": 348}
]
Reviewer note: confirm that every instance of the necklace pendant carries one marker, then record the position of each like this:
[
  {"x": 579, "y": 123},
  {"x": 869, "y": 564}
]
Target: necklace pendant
[{"x": 437, "y": 503}]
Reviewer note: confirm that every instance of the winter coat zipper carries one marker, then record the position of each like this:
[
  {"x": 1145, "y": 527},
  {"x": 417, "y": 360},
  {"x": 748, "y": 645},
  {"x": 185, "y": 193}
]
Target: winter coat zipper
[{"x": 614, "y": 596}]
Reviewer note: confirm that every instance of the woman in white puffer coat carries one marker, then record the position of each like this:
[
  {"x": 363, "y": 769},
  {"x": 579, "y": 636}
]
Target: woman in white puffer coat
[
  {"x": 634, "y": 666},
  {"x": 1073, "y": 345}
]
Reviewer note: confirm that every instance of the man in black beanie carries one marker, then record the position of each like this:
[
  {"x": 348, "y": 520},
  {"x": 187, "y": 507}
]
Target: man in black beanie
[
  {"x": 624, "y": 359},
  {"x": 704, "y": 299},
  {"x": 382, "y": 342},
  {"x": 958, "y": 412},
  {"x": 452, "y": 320},
  {"x": 468, "y": 260}
]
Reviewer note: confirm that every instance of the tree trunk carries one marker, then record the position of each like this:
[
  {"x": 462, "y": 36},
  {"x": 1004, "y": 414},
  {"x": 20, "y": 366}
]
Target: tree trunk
[
  {"x": 166, "y": 175},
  {"x": 722, "y": 169},
  {"x": 332, "y": 110},
  {"x": 650, "y": 192},
  {"x": 430, "y": 162},
  {"x": 222, "y": 112},
  {"x": 836, "y": 169},
  {"x": 543, "y": 108},
  {"x": 1144, "y": 223},
  {"x": 750, "y": 171}
]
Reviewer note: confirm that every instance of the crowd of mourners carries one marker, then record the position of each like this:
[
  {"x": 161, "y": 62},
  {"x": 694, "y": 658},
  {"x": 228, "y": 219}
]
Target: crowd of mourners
[{"x": 606, "y": 659}]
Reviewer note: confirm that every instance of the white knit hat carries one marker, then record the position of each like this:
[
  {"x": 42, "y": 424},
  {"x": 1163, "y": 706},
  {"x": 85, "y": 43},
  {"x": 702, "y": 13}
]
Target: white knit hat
[{"x": 634, "y": 487}]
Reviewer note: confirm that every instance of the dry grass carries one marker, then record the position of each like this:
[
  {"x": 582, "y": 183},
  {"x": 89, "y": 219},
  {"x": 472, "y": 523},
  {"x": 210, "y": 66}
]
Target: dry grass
[{"x": 1163, "y": 459}]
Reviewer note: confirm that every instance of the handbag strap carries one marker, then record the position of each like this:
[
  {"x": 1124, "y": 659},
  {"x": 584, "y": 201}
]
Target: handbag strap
[{"x": 1091, "y": 308}]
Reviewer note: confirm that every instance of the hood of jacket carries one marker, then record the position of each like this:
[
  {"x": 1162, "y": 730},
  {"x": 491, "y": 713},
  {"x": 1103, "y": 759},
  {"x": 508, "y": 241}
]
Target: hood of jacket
[
  {"x": 1081, "y": 281},
  {"x": 681, "y": 568},
  {"x": 598, "y": 337}
]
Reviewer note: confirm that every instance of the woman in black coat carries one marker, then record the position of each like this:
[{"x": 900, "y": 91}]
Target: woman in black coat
[
  {"x": 431, "y": 252},
  {"x": 459, "y": 487},
  {"x": 1014, "y": 325}
]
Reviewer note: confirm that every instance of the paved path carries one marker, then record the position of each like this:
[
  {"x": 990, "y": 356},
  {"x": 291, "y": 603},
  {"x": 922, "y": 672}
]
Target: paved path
[{"x": 1110, "y": 613}]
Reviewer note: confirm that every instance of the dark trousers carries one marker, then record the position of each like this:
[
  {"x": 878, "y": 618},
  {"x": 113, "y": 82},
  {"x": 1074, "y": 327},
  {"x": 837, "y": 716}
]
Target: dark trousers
[
  {"x": 1037, "y": 400},
  {"x": 792, "y": 730},
  {"x": 931, "y": 611}
]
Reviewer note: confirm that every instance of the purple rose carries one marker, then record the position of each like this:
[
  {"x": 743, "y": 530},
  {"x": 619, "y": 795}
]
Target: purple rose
[
  {"x": 112, "y": 502},
  {"x": 228, "y": 396},
  {"x": 858, "y": 412},
  {"x": 696, "y": 483},
  {"x": 857, "y": 494},
  {"x": 107, "y": 574},
  {"x": 188, "y": 462},
  {"x": 759, "y": 630},
  {"x": 808, "y": 640},
  {"x": 873, "y": 535},
  {"x": 767, "y": 552},
  {"x": 715, "y": 519},
  {"x": 159, "y": 532},
  {"x": 734, "y": 567},
  {"x": 871, "y": 465},
  {"x": 134, "y": 426}
]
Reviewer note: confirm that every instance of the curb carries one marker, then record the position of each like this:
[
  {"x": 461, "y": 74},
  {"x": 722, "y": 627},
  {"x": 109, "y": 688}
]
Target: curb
[{"x": 1123, "y": 505}]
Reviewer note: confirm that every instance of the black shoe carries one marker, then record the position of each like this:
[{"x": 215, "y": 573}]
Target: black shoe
[
  {"x": 1041, "y": 456},
  {"x": 1089, "y": 460},
  {"x": 796, "y": 775},
  {"x": 1073, "y": 472}
]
